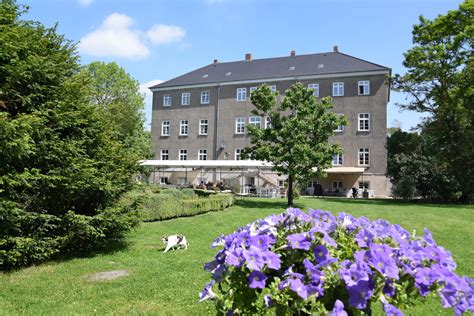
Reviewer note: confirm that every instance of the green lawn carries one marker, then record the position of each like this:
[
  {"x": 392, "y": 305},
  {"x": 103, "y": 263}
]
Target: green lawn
[{"x": 169, "y": 284}]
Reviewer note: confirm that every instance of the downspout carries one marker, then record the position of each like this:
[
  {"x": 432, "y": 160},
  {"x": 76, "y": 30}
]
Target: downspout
[{"x": 216, "y": 120}]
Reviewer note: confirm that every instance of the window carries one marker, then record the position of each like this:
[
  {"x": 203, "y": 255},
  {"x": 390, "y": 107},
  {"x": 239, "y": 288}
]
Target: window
[
  {"x": 364, "y": 157},
  {"x": 337, "y": 89},
  {"x": 205, "y": 97},
  {"x": 268, "y": 123},
  {"x": 364, "y": 185},
  {"x": 255, "y": 121},
  {"x": 238, "y": 151},
  {"x": 337, "y": 185},
  {"x": 163, "y": 180},
  {"x": 241, "y": 94},
  {"x": 364, "y": 122},
  {"x": 312, "y": 184},
  {"x": 164, "y": 154},
  {"x": 252, "y": 89},
  {"x": 314, "y": 86},
  {"x": 167, "y": 100},
  {"x": 240, "y": 125},
  {"x": 183, "y": 127},
  {"x": 185, "y": 98},
  {"x": 183, "y": 154},
  {"x": 340, "y": 128},
  {"x": 281, "y": 183},
  {"x": 165, "y": 128},
  {"x": 273, "y": 88},
  {"x": 364, "y": 87},
  {"x": 202, "y": 154},
  {"x": 203, "y": 127},
  {"x": 337, "y": 160}
]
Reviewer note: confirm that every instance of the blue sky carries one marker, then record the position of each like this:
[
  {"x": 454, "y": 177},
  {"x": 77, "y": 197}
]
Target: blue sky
[{"x": 157, "y": 40}]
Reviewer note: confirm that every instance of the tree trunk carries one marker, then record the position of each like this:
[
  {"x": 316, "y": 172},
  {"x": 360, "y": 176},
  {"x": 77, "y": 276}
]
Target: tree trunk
[{"x": 290, "y": 190}]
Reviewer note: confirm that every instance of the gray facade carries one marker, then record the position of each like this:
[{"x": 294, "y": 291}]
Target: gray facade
[{"x": 222, "y": 139}]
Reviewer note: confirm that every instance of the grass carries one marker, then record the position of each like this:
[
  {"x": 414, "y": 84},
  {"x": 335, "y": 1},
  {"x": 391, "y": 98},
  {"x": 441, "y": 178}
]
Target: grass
[{"x": 168, "y": 284}]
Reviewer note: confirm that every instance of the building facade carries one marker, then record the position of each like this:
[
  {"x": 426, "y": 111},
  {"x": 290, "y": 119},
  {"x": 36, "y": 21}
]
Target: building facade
[{"x": 203, "y": 114}]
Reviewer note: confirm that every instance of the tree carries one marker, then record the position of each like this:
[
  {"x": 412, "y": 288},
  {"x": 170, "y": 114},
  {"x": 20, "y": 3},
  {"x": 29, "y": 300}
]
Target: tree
[
  {"x": 296, "y": 141},
  {"x": 63, "y": 169},
  {"x": 116, "y": 95},
  {"x": 440, "y": 82}
]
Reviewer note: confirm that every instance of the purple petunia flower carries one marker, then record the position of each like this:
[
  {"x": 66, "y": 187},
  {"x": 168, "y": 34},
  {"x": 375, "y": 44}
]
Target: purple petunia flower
[
  {"x": 261, "y": 241},
  {"x": 268, "y": 300},
  {"x": 353, "y": 275},
  {"x": 253, "y": 259},
  {"x": 381, "y": 259},
  {"x": 294, "y": 281},
  {"x": 359, "y": 294},
  {"x": 257, "y": 280},
  {"x": 299, "y": 241},
  {"x": 207, "y": 292},
  {"x": 391, "y": 310},
  {"x": 272, "y": 260},
  {"x": 364, "y": 238},
  {"x": 338, "y": 309},
  {"x": 234, "y": 258}
]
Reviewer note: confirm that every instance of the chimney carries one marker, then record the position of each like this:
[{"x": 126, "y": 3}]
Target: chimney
[
  {"x": 293, "y": 53},
  {"x": 336, "y": 49},
  {"x": 216, "y": 62},
  {"x": 248, "y": 57}
]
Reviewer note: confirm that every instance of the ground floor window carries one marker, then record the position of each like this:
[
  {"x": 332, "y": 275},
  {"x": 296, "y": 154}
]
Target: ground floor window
[
  {"x": 312, "y": 184},
  {"x": 164, "y": 180},
  {"x": 337, "y": 184},
  {"x": 364, "y": 185}
]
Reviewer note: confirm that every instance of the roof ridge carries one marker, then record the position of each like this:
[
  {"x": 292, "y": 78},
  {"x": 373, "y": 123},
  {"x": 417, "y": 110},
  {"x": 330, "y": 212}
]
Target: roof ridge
[{"x": 378, "y": 65}]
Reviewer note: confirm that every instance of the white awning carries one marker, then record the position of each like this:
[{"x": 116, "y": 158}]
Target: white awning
[
  {"x": 235, "y": 164},
  {"x": 345, "y": 170},
  {"x": 206, "y": 163}
]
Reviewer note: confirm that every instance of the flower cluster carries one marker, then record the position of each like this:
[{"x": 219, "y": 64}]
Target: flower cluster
[{"x": 316, "y": 263}]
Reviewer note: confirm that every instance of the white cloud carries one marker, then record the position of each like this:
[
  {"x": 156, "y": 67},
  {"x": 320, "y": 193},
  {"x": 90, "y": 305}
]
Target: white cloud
[
  {"x": 115, "y": 38},
  {"x": 164, "y": 34},
  {"x": 85, "y": 3},
  {"x": 148, "y": 95}
]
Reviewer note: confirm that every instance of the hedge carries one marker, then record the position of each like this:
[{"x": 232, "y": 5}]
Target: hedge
[{"x": 161, "y": 206}]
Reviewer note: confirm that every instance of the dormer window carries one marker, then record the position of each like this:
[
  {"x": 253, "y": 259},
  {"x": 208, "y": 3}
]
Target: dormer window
[
  {"x": 320, "y": 66},
  {"x": 291, "y": 68},
  {"x": 205, "y": 75},
  {"x": 227, "y": 74}
]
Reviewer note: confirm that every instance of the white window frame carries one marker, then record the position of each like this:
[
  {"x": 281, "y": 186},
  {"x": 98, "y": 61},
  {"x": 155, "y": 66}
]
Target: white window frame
[
  {"x": 363, "y": 157},
  {"x": 186, "y": 98},
  {"x": 167, "y": 100},
  {"x": 268, "y": 123},
  {"x": 338, "y": 89},
  {"x": 337, "y": 185},
  {"x": 314, "y": 86},
  {"x": 240, "y": 125},
  {"x": 255, "y": 121},
  {"x": 205, "y": 97},
  {"x": 183, "y": 128},
  {"x": 202, "y": 154},
  {"x": 241, "y": 94},
  {"x": 338, "y": 160},
  {"x": 164, "y": 153},
  {"x": 183, "y": 153},
  {"x": 165, "y": 128},
  {"x": 237, "y": 153},
  {"x": 252, "y": 89},
  {"x": 365, "y": 84},
  {"x": 340, "y": 128},
  {"x": 203, "y": 126},
  {"x": 362, "y": 185},
  {"x": 273, "y": 88},
  {"x": 363, "y": 122}
]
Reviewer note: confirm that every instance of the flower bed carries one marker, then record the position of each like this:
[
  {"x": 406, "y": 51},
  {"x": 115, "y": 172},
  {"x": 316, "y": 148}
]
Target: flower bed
[{"x": 316, "y": 263}]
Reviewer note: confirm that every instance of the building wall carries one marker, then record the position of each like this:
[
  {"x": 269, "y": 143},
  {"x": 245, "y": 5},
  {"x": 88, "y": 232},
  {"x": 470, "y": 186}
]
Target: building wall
[{"x": 222, "y": 140}]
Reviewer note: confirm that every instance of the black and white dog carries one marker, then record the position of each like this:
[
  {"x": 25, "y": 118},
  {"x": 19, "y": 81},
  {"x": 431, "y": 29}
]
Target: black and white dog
[{"x": 175, "y": 241}]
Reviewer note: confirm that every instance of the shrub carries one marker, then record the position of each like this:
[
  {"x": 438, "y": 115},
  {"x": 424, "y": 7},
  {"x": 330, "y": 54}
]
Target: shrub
[
  {"x": 300, "y": 264},
  {"x": 188, "y": 193},
  {"x": 404, "y": 188},
  {"x": 158, "y": 207}
]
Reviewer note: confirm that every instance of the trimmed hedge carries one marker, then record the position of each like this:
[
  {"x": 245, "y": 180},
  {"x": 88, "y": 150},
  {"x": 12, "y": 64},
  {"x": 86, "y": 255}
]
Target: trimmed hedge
[{"x": 156, "y": 207}]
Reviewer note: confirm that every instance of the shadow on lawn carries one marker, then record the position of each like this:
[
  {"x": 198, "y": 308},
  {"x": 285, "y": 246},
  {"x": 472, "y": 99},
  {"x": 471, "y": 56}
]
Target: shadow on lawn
[{"x": 387, "y": 202}]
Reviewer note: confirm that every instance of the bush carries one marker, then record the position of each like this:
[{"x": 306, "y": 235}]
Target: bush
[
  {"x": 404, "y": 188},
  {"x": 188, "y": 193},
  {"x": 300, "y": 264},
  {"x": 158, "y": 207}
]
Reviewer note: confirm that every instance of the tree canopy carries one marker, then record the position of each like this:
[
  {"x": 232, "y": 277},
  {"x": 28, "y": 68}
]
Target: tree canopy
[
  {"x": 63, "y": 167},
  {"x": 296, "y": 140},
  {"x": 439, "y": 81}
]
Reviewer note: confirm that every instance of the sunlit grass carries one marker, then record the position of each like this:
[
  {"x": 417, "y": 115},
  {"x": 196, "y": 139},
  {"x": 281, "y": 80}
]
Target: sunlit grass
[{"x": 169, "y": 284}]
